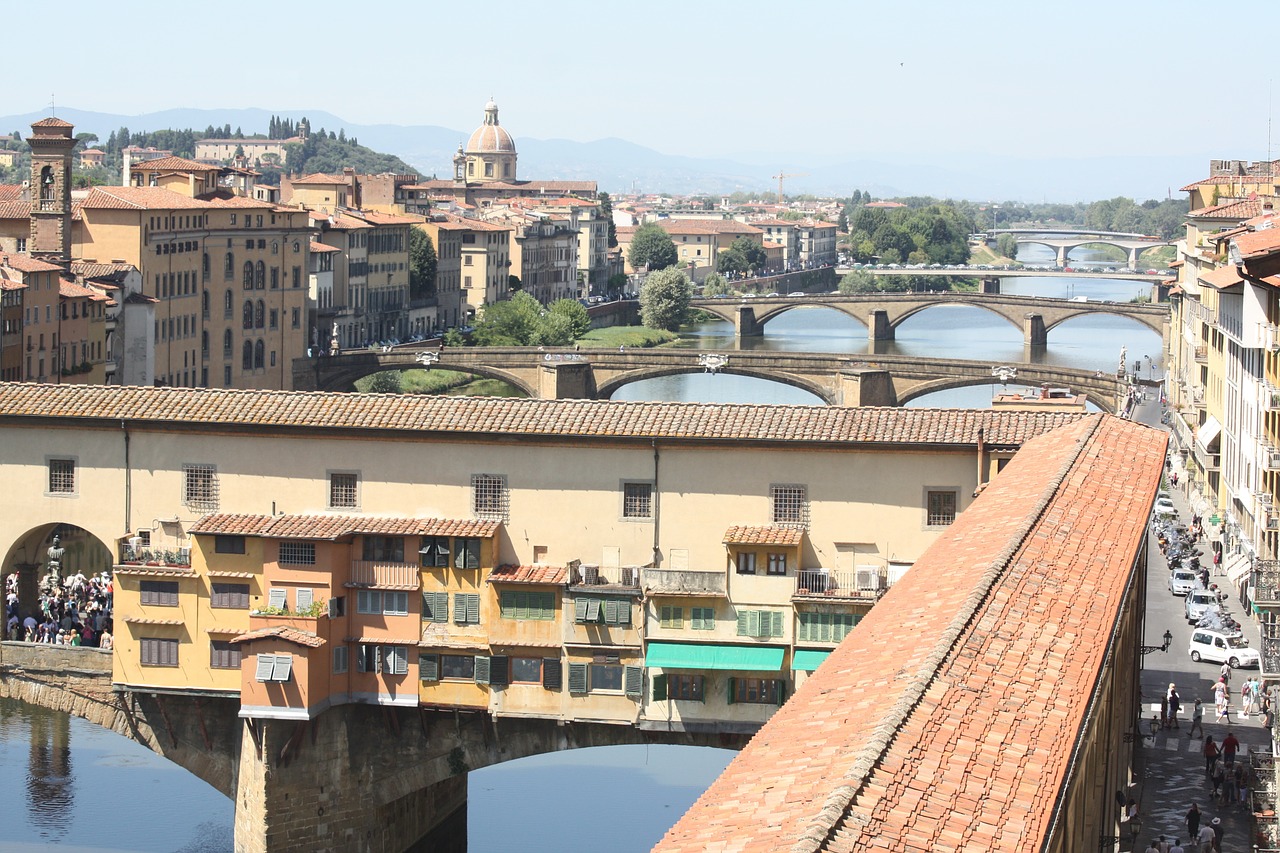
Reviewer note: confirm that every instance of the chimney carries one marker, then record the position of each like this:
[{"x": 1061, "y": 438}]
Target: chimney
[{"x": 125, "y": 168}]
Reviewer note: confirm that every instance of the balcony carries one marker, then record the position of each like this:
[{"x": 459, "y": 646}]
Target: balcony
[
  {"x": 155, "y": 557},
  {"x": 1270, "y": 650},
  {"x": 1270, "y": 398},
  {"x": 671, "y": 582},
  {"x": 581, "y": 575},
  {"x": 862, "y": 584},
  {"x": 1202, "y": 355},
  {"x": 50, "y": 205},
  {"x": 381, "y": 574}
]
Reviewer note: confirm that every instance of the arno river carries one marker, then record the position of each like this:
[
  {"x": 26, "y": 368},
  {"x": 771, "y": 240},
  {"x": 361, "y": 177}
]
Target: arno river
[{"x": 69, "y": 785}]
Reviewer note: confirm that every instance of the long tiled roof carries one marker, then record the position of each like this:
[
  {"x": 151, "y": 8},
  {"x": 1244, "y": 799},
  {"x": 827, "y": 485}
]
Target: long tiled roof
[
  {"x": 1239, "y": 210},
  {"x": 948, "y": 718},
  {"x": 172, "y": 164},
  {"x": 283, "y": 632},
  {"x": 478, "y": 415},
  {"x": 1258, "y": 244},
  {"x": 317, "y": 526},
  {"x": 529, "y": 574},
  {"x": 763, "y": 536},
  {"x": 26, "y": 263},
  {"x": 139, "y": 198}
]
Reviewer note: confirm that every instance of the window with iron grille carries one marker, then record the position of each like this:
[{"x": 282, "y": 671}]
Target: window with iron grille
[
  {"x": 200, "y": 487},
  {"x": 224, "y": 654},
  {"x": 789, "y": 506},
  {"x": 232, "y": 596},
  {"x": 637, "y": 500},
  {"x": 62, "y": 476},
  {"x": 941, "y": 508},
  {"x": 489, "y": 496},
  {"x": 156, "y": 651},
  {"x": 297, "y": 553},
  {"x": 343, "y": 491},
  {"x": 160, "y": 593}
]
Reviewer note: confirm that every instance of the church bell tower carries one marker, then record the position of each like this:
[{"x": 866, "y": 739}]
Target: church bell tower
[{"x": 51, "y": 144}]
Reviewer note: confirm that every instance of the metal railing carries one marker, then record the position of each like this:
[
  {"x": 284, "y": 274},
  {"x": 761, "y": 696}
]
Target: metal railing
[{"x": 846, "y": 584}]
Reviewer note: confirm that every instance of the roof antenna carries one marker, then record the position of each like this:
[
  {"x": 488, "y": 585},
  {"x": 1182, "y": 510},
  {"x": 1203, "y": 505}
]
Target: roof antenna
[{"x": 54, "y": 112}]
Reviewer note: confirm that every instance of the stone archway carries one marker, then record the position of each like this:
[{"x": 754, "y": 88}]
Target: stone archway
[{"x": 27, "y": 558}]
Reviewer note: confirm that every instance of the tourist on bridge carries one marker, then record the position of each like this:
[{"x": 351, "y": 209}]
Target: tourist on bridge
[
  {"x": 1211, "y": 753},
  {"x": 1193, "y": 821},
  {"x": 1197, "y": 722},
  {"x": 1205, "y": 838},
  {"x": 1175, "y": 705}
]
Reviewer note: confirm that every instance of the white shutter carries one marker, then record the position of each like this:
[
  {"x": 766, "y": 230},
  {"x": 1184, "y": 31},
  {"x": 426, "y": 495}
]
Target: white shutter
[
  {"x": 266, "y": 664},
  {"x": 277, "y": 598},
  {"x": 397, "y": 660},
  {"x": 306, "y": 597},
  {"x": 283, "y": 668}
]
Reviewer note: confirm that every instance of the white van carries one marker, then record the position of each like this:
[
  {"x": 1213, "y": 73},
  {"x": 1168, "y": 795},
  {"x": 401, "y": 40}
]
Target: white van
[{"x": 1218, "y": 647}]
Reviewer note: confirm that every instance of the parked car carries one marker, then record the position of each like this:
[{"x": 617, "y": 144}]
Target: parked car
[
  {"x": 1182, "y": 581},
  {"x": 1218, "y": 647},
  {"x": 1199, "y": 602},
  {"x": 1164, "y": 506}
]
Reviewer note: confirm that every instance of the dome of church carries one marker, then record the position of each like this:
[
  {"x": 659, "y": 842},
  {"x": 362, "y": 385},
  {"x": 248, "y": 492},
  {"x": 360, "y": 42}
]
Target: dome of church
[{"x": 491, "y": 137}]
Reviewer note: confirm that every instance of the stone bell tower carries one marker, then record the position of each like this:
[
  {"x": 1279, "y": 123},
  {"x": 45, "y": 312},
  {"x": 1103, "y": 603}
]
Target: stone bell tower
[{"x": 51, "y": 144}]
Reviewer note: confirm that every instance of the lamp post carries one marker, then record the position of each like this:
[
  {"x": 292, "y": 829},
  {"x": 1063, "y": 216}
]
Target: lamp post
[{"x": 1168, "y": 639}]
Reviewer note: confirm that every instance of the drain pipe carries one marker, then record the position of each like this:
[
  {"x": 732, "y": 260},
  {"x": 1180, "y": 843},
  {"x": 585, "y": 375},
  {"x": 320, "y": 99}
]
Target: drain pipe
[
  {"x": 657, "y": 504},
  {"x": 128, "y": 481}
]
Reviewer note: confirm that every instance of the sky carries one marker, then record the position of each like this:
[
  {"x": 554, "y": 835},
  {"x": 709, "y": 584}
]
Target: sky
[{"x": 796, "y": 81}]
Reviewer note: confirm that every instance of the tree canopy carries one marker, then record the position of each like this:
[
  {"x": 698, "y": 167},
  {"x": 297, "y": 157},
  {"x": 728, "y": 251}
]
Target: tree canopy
[
  {"x": 664, "y": 299},
  {"x": 652, "y": 247},
  {"x": 522, "y": 321},
  {"x": 422, "y": 264},
  {"x": 743, "y": 255}
]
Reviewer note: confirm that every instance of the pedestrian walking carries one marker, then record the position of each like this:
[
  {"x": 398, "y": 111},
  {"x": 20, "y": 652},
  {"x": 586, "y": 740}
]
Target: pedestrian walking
[
  {"x": 1243, "y": 781},
  {"x": 1153, "y": 847},
  {"x": 1175, "y": 704},
  {"x": 1193, "y": 822},
  {"x": 1164, "y": 711},
  {"x": 1197, "y": 721},
  {"x": 1218, "y": 830},
  {"x": 1225, "y": 674},
  {"x": 1217, "y": 776},
  {"x": 1230, "y": 788},
  {"x": 1205, "y": 839},
  {"x": 1177, "y": 846},
  {"x": 1211, "y": 753},
  {"x": 1229, "y": 747},
  {"x": 1223, "y": 709}
]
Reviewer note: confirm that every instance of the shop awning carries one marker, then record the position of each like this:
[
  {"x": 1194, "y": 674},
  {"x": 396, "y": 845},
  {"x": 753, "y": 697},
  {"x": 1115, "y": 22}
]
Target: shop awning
[
  {"x": 808, "y": 659},
  {"x": 708, "y": 656},
  {"x": 1208, "y": 433},
  {"x": 1237, "y": 566}
]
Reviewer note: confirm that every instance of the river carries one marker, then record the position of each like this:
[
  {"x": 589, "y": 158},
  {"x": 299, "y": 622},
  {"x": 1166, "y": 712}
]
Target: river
[{"x": 74, "y": 787}]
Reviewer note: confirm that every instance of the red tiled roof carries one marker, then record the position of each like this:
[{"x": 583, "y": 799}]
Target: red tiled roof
[
  {"x": 529, "y": 574},
  {"x": 1258, "y": 244},
  {"x": 426, "y": 414},
  {"x": 321, "y": 247},
  {"x": 763, "y": 536},
  {"x": 11, "y": 192},
  {"x": 232, "y": 524},
  {"x": 283, "y": 632},
  {"x": 172, "y": 164},
  {"x": 336, "y": 526},
  {"x": 139, "y": 198},
  {"x": 320, "y": 178},
  {"x": 51, "y": 121},
  {"x": 1239, "y": 210},
  {"x": 948, "y": 718},
  {"x": 72, "y": 290},
  {"x": 1221, "y": 277},
  {"x": 26, "y": 263},
  {"x": 707, "y": 226},
  {"x": 15, "y": 209}
]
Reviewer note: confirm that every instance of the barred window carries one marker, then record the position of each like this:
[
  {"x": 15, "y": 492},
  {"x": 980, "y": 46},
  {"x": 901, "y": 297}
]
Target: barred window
[
  {"x": 62, "y": 476},
  {"x": 233, "y": 596},
  {"x": 200, "y": 487},
  {"x": 343, "y": 491},
  {"x": 941, "y": 508},
  {"x": 297, "y": 553},
  {"x": 637, "y": 500},
  {"x": 789, "y": 506},
  {"x": 489, "y": 496},
  {"x": 224, "y": 654}
]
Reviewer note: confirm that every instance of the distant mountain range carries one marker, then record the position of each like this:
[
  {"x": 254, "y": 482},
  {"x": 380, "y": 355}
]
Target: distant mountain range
[{"x": 619, "y": 166}]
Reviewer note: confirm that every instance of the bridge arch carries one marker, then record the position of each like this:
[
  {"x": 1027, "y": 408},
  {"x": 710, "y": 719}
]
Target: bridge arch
[
  {"x": 345, "y": 377},
  {"x": 845, "y": 308},
  {"x": 606, "y": 390},
  {"x": 1154, "y": 324},
  {"x": 1014, "y": 321},
  {"x": 85, "y": 550},
  {"x": 947, "y": 384}
]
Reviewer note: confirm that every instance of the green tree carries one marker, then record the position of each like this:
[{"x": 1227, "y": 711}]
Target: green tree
[
  {"x": 858, "y": 281},
  {"x": 652, "y": 247},
  {"x": 752, "y": 251},
  {"x": 606, "y": 212},
  {"x": 575, "y": 314},
  {"x": 512, "y": 322},
  {"x": 714, "y": 285},
  {"x": 664, "y": 299},
  {"x": 617, "y": 283},
  {"x": 386, "y": 382},
  {"x": 732, "y": 260},
  {"x": 1007, "y": 245},
  {"x": 422, "y": 264}
]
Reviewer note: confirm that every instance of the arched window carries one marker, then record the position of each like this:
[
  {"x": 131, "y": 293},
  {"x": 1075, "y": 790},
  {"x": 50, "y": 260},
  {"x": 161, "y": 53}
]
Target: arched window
[
  {"x": 46, "y": 183},
  {"x": 275, "y": 247},
  {"x": 226, "y": 304},
  {"x": 248, "y": 314},
  {"x": 226, "y": 344},
  {"x": 204, "y": 343},
  {"x": 246, "y": 360},
  {"x": 258, "y": 350},
  {"x": 204, "y": 302},
  {"x": 259, "y": 315},
  {"x": 204, "y": 265},
  {"x": 229, "y": 265},
  {"x": 261, "y": 275},
  {"x": 248, "y": 275}
]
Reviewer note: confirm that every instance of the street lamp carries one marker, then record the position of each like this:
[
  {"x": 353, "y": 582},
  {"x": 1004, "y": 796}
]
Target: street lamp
[{"x": 1168, "y": 639}]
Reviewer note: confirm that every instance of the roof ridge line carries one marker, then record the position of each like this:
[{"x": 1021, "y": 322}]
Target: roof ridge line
[{"x": 834, "y": 808}]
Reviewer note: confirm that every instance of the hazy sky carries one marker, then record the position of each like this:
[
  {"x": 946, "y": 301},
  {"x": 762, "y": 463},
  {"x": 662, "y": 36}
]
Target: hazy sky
[{"x": 789, "y": 79}]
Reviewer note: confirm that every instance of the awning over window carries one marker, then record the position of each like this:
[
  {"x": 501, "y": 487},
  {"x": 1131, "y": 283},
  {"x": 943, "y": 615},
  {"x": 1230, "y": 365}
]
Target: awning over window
[
  {"x": 1208, "y": 433},
  {"x": 808, "y": 659},
  {"x": 1237, "y": 566},
  {"x": 708, "y": 656}
]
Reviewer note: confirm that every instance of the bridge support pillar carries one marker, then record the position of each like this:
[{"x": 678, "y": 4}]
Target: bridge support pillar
[
  {"x": 1062, "y": 256},
  {"x": 745, "y": 325},
  {"x": 1033, "y": 331},
  {"x": 878, "y": 326},
  {"x": 990, "y": 284},
  {"x": 866, "y": 387},
  {"x": 1133, "y": 258},
  {"x": 566, "y": 380}
]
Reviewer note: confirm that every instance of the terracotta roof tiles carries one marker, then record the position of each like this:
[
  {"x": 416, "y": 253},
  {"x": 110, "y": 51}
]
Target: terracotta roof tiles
[
  {"x": 26, "y": 263},
  {"x": 763, "y": 536},
  {"x": 529, "y": 574},
  {"x": 1239, "y": 210},
  {"x": 172, "y": 164},
  {"x": 283, "y": 632},
  {"x": 319, "y": 526},
  {"x": 140, "y": 198}
]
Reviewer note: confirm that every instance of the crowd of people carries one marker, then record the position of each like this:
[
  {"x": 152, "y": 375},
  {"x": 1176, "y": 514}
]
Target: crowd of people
[{"x": 72, "y": 611}]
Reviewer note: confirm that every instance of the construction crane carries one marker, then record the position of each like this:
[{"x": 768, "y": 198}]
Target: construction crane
[{"x": 781, "y": 175}]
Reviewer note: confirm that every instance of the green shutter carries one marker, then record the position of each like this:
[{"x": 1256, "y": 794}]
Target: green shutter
[
  {"x": 473, "y": 608},
  {"x": 782, "y": 691},
  {"x": 551, "y": 673},
  {"x": 506, "y": 604},
  {"x": 611, "y": 611},
  {"x": 435, "y": 606},
  {"x": 633, "y": 681},
  {"x": 699, "y": 688},
  {"x": 548, "y": 610},
  {"x": 593, "y": 610},
  {"x": 460, "y": 608},
  {"x": 733, "y": 691},
  {"x": 777, "y": 624},
  {"x": 577, "y": 678},
  {"x": 429, "y": 667},
  {"x": 753, "y": 623},
  {"x": 659, "y": 683},
  {"x": 580, "y": 609},
  {"x": 499, "y": 670},
  {"x": 743, "y": 623},
  {"x": 802, "y": 630},
  {"x": 482, "y": 669}
]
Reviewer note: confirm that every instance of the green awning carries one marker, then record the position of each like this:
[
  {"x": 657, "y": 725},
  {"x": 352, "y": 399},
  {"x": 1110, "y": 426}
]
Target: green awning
[
  {"x": 808, "y": 659},
  {"x": 708, "y": 656}
]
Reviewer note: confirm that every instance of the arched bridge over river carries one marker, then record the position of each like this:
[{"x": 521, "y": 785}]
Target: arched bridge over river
[{"x": 837, "y": 379}]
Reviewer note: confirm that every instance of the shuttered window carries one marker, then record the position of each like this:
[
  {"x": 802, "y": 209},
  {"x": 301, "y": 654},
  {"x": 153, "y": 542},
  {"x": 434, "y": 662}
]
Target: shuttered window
[
  {"x": 160, "y": 593},
  {"x": 435, "y": 607},
  {"x": 466, "y": 553},
  {"x": 377, "y": 602},
  {"x": 395, "y": 660},
  {"x": 610, "y": 611},
  {"x": 339, "y": 659},
  {"x": 434, "y": 553},
  {"x": 429, "y": 667},
  {"x": 157, "y": 651},
  {"x": 458, "y": 666},
  {"x": 825, "y": 627},
  {"x": 704, "y": 619},
  {"x": 671, "y": 617},
  {"x": 519, "y": 604},
  {"x": 759, "y": 623},
  {"x": 526, "y": 670},
  {"x": 577, "y": 678},
  {"x": 633, "y": 681},
  {"x": 552, "y": 673},
  {"x": 482, "y": 669},
  {"x": 305, "y": 597},
  {"x": 689, "y": 688},
  {"x": 224, "y": 655},
  {"x": 757, "y": 691},
  {"x": 466, "y": 608},
  {"x": 499, "y": 670},
  {"x": 233, "y": 596},
  {"x": 274, "y": 668},
  {"x": 277, "y": 598}
]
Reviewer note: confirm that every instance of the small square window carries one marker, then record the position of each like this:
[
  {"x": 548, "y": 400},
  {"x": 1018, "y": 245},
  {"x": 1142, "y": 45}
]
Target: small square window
[
  {"x": 200, "y": 487},
  {"x": 228, "y": 544},
  {"x": 344, "y": 491},
  {"x": 941, "y": 508},
  {"x": 62, "y": 476},
  {"x": 637, "y": 500},
  {"x": 789, "y": 506},
  {"x": 489, "y": 496}
]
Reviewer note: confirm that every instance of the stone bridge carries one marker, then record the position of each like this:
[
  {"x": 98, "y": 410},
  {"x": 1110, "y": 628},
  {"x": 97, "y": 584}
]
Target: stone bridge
[
  {"x": 356, "y": 778},
  {"x": 882, "y": 313},
  {"x": 1062, "y": 246},
  {"x": 836, "y": 379}
]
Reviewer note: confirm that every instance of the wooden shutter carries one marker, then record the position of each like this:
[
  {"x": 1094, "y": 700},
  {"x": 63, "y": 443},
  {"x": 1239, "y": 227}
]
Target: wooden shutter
[
  {"x": 473, "y": 608},
  {"x": 624, "y": 611},
  {"x": 333, "y": 608},
  {"x": 776, "y": 627},
  {"x": 266, "y": 665},
  {"x": 782, "y": 691},
  {"x": 397, "y": 660},
  {"x": 743, "y": 623},
  {"x": 577, "y": 678},
  {"x": 659, "y": 683},
  {"x": 429, "y": 667},
  {"x": 277, "y": 598},
  {"x": 551, "y": 673},
  {"x": 306, "y": 597},
  {"x": 633, "y": 681},
  {"x": 593, "y": 610},
  {"x": 733, "y": 691},
  {"x": 611, "y": 611},
  {"x": 482, "y": 669},
  {"x": 283, "y": 668},
  {"x": 580, "y": 609},
  {"x": 499, "y": 670},
  {"x": 170, "y": 652},
  {"x": 435, "y": 606}
]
